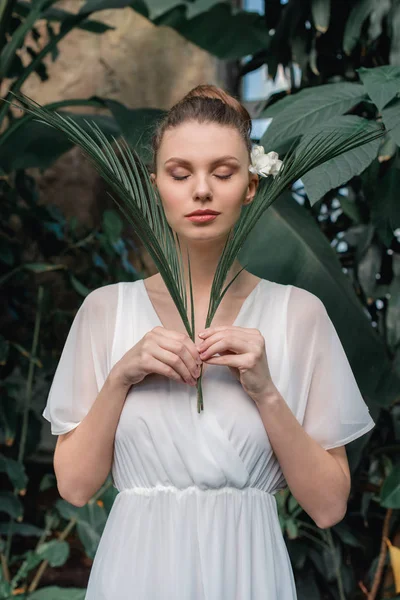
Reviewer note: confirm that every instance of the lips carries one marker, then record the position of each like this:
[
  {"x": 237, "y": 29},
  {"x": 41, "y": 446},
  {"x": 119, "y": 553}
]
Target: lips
[{"x": 203, "y": 212}]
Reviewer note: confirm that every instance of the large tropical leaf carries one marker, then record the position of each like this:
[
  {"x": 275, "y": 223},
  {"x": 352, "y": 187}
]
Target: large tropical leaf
[
  {"x": 92, "y": 6},
  {"x": 339, "y": 170},
  {"x": 224, "y": 33},
  {"x": 382, "y": 83},
  {"x": 391, "y": 119},
  {"x": 309, "y": 108}
]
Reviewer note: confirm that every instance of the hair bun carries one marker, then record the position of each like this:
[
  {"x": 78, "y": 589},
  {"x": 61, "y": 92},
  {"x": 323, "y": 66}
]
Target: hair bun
[{"x": 213, "y": 91}]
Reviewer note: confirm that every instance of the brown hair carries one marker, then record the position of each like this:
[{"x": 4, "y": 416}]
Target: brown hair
[{"x": 205, "y": 104}]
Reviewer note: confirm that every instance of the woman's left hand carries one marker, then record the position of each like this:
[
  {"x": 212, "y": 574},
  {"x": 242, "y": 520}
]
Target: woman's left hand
[{"x": 243, "y": 351}]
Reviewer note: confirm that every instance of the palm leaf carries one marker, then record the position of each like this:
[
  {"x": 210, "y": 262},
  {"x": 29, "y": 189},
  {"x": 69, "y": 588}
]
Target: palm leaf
[{"x": 142, "y": 206}]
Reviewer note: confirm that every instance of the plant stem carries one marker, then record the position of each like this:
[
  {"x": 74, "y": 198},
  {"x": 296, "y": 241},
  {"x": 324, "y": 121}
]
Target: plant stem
[{"x": 328, "y": 535}]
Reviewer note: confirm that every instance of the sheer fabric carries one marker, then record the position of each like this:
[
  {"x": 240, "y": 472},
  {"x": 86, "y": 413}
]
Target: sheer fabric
[
  {"x": 329, "y": 404},
  {"x": 196, "y": 515},
  {"x": 85, "y": 361}
]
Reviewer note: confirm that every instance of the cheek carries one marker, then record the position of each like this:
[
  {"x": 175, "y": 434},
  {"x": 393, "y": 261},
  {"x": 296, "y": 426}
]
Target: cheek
[{"x": 172, "y": 195}]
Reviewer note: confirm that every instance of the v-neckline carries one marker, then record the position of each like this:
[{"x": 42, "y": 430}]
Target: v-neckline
[{"x": 242, "y": 308}]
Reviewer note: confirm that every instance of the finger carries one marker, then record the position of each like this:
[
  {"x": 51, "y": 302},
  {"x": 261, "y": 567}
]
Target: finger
[
  {"x": 238, "y": 361},
  {"x": 210, "y": 330},
  {"x": 176, "y": 354},
  {"x": 231, "y": 343},
  {"x": 158, "y": 366},
  {"x": 176, "y": 335}
]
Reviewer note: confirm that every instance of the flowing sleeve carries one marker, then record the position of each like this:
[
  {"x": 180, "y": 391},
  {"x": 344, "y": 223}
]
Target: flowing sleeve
[
  {"x": 324, "y": 393},
  {"x": 85, "y": 361}
]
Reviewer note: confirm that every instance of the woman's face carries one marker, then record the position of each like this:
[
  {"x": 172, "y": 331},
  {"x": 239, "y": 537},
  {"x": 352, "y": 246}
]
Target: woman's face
[{"x": 203, "y": 166}]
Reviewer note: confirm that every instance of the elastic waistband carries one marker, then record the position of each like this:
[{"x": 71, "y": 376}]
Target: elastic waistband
[{"x": 194, "y": 489}]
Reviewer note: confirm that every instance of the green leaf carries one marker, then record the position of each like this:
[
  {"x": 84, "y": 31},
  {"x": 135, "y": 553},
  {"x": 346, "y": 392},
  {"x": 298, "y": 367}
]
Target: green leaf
[
  {"x": 292, "y": 504},
  {"x": 393, "y": 32},
  {"x": 350, "y": 208},
  {"x": 292, "y": 528},
  {"x": 309, "y": 109},
  {"x": 391, "y": 118},
  {"x": 15, "y": 472},
  {"x": 381, "y": 83},
  {"x": 393, "y": 308},
  {"x": 11, "y": 505},
  {"x": 385, "y": 206},
  {"x": 136, "y": 125},
  {"x": 321, "y": 12},
  {"x": 5, "y": 590},
  {"x": 30, "y": 562},
  {"x": 390, "y": 492},
  {"x": 91, "y": 6},
  {"x": 387, "y": 149},
  {"x": 341, "y": 169},
  {"x": 23, "y": 529},
  {"x": 222, "y": 31},
  {"x": 345, "y": 534},
  {"x": 42, "y": 267},
  {"x": 55, "y": 551},
  {"x": 360, "y": 11},
  {"x": 79, "y": 287},
  {"x": 91, "y": 523},
  {"x": 67, "y": 511},
  {"x": 377, "y": 17}
]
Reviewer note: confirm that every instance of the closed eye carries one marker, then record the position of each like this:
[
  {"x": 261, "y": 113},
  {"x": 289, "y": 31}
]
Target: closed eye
[{"x": 186, "y": 176}]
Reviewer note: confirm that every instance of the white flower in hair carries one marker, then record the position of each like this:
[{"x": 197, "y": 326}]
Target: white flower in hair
[{"x": 264, "y": 164}]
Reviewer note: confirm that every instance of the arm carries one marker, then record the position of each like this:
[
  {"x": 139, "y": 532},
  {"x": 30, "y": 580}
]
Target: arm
[
  {"x": 83, "y": 457},
  {"x": 319, "y": 479}
]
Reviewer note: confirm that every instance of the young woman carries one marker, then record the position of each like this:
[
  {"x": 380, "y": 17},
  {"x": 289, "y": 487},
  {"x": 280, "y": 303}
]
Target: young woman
[{"x": 196, "y": 515}]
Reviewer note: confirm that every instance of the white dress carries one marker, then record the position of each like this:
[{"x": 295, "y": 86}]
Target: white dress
[{"x": 196, "y": 517}]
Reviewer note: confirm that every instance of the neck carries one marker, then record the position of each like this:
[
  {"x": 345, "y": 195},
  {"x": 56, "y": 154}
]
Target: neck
[{"x": 204, "y": 259}]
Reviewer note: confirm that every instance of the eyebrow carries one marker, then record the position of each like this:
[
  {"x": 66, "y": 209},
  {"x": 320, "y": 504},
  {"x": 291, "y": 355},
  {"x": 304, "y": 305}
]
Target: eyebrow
[{"x": 214, "y": 162}]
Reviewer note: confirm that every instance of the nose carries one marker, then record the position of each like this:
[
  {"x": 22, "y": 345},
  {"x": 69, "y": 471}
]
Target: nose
[{"x": 202, "y": 189}]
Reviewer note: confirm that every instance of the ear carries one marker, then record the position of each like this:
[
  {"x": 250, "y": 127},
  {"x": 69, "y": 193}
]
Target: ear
[
  {"x": 252, "y": 188},
  {"x": 153, "y": 179}
]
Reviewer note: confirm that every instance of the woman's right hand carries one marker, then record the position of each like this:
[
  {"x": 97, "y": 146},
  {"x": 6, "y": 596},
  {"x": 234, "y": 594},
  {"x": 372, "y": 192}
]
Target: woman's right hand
[{"x": 163, "y": 351}]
